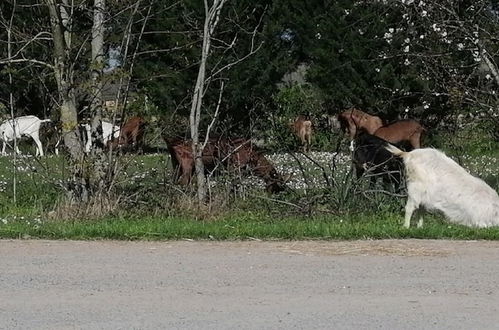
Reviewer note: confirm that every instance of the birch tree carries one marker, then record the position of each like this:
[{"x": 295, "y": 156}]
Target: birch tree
[{"x": 212, "y": 18}]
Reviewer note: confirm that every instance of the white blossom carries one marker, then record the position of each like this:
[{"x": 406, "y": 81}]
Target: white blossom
[
  {"x": 388, "y": 37},
  {"x": 407, "y": 62},
  {"x": 406, "y": 49}
]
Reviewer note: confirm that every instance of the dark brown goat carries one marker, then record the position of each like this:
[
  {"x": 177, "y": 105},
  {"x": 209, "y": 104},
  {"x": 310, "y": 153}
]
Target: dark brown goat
[
  {"x": 236, "y": 154},
  {"x": 407, "y": 131}
]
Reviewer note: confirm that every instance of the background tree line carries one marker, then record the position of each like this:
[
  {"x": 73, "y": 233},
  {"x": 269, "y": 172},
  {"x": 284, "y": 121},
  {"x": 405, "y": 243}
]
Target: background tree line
[
  {"x": 428, "y": 60},
  {"x": 383, "y": 56}
]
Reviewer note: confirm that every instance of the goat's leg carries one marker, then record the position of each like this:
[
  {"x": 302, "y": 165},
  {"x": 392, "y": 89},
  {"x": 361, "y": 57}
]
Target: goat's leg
[
  {"x": 56, "y": 148},
  {"x": 419, "y": 215},
  {"x": 410, "y": 207},
  {"x": 39, "y": 147},
  {"x": 352, "y": 146},
  {"x": 3, "y": 147},
  {"x": 420, "y": 221},
  {"x": 186, "y": 168}
]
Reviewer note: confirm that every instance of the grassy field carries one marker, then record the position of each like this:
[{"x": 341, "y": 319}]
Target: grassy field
[{"x": 325, "y": 201}]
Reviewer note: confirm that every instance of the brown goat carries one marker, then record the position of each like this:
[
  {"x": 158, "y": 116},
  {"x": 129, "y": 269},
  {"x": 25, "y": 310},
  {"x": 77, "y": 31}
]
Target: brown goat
[
  {"x": 302, "y": 128},
  {"x": 354, "y": 120},
  {"x": 236, "y": 154},
  {"x": 131, "y": 134},
  {"x": 402, "y": 131}
]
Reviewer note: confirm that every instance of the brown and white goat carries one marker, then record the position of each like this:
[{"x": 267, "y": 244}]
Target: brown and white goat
[{"x": 434, "y": 181}]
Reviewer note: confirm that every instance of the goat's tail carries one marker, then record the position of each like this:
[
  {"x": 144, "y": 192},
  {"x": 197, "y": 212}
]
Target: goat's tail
[{"x": 394, "y": 150}]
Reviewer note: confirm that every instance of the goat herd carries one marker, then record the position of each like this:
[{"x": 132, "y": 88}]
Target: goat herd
[
  {"x": 130, "y": 134},
  {"x": 434, "y": 181}
]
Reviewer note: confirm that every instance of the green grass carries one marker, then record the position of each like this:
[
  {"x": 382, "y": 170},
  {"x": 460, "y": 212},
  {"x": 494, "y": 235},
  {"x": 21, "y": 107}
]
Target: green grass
[{"x": 241, "y": 227}]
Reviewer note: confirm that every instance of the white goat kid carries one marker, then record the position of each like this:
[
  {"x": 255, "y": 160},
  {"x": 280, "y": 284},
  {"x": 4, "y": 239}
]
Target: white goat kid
[
  {"x": 19, "y": 127},
  {"x": 435, "y": 181}
]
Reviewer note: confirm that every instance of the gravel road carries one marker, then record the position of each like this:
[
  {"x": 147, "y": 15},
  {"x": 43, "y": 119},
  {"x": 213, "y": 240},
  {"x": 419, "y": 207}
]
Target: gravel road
[{"x": 392, "y": 284}]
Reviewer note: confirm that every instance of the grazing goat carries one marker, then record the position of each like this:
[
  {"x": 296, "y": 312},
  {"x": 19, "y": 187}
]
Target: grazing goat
[
  {"x": 302, "y": 128},
  {"x": 354, "y": 120},
  {"x": 22, "y": 126},
  {"x": 131, "y": 134},
  {"x": 407, "y": 131},
  {"x": 109, "y": 132},
  {"x": 370, "y": 155},
  {"x": 239, "y": 154},
  {"x": 434, "y": 181}
]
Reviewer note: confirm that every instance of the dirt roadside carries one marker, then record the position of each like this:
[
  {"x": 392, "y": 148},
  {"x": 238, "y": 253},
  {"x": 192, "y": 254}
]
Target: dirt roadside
[{"x": 389, "y": 284}]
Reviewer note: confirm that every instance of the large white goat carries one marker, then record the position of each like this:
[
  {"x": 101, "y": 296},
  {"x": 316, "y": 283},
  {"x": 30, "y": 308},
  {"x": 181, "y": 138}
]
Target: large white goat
[
  {"x": 435, "y": 181},
  {"x": 22, "y": 126}
]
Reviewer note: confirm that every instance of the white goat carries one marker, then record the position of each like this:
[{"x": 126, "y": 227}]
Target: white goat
[
  {"x": 435, "y": 181},
  {"x": 108, "y": 130},
  {"x": 22, "y": 126}
]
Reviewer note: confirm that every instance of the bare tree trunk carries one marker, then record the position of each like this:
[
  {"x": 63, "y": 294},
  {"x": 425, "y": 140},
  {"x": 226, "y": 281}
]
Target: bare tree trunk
[
  {"x": 97, "y": 64},
  {"x": 97, "y": 182},
  {"x": 212, "y": 15},
  {"x": 11, "y": 103},
  {"x": 68, "y": 113}
]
